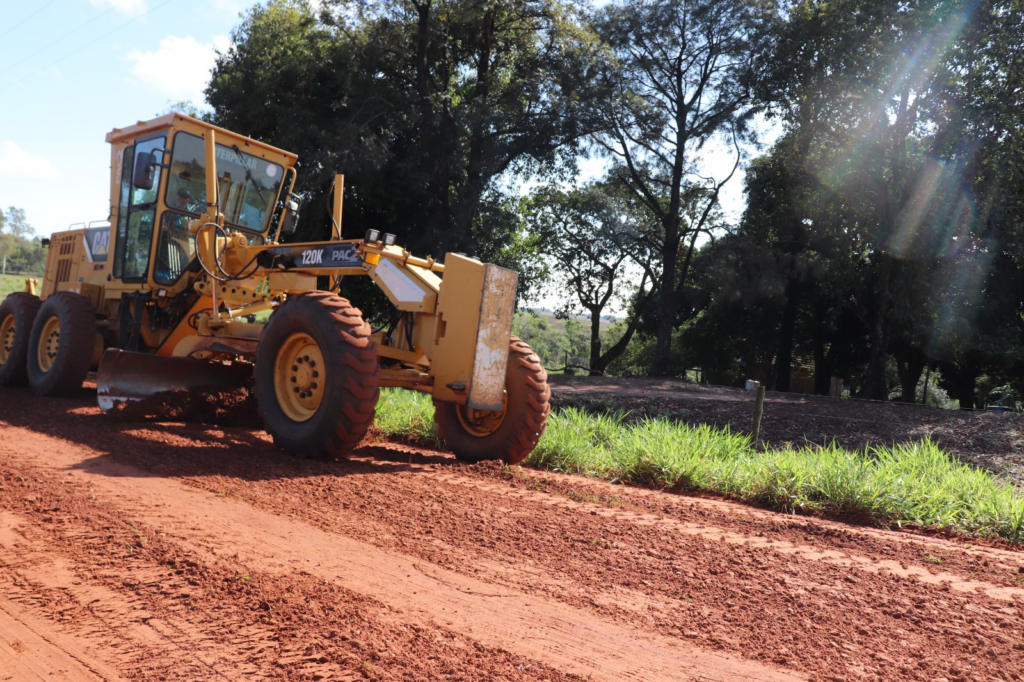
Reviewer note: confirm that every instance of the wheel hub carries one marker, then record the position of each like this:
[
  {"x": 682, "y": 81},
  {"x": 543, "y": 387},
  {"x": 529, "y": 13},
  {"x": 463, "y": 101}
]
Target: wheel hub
[
  {"x": 49, "y": 344},
  {"x": 298, "y": 381},
  {"x": 482, "y": 423},
  {"x": 7, "y": 331}
]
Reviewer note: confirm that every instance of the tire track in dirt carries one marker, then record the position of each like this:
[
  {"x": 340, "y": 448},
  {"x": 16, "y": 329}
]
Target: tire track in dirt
[
  {"x": 121, "y": 627},
  {"x": 31, "y": 650},
  {"x": 754, "y": 601},
  {"x": 845, "y": 559},
  {"x": 65, "y": 546},
  {"x": 496, "y": 616}
]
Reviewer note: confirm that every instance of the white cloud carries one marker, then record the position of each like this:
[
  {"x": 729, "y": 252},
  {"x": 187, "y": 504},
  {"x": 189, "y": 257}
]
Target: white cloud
[
  {"x": 16, "y": 163},
  {"x": 178, "y": 69},
  {"x": 133, "y": 7}
]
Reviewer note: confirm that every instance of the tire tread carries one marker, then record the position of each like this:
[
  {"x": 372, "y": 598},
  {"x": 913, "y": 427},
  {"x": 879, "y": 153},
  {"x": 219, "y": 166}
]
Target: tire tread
[
  {"x": 78, "y": 333},
  {"x": 352, "y": 399},
  {"x": 14, "y": 372},
  {"x": 519, "y": 434}
]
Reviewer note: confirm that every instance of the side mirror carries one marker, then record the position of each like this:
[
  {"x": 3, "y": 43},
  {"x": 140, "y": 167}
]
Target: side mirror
[
  {"x": 142, "y": 174},
  {"x": 291, "y": 218}
]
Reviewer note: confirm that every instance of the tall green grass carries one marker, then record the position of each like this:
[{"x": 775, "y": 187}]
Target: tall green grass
[
  {"x": 903, "y": 484},
  {"x": 407, "y": 416},
  {"x": 11, "y": 283}
]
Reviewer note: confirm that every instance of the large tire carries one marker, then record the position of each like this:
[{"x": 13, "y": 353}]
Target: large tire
[
  {"x": 61, "y": 346},
  {"x": 317, "y": 376},
  {"x": 511, "y": 435},
  {"x": 17, "y": 313}
]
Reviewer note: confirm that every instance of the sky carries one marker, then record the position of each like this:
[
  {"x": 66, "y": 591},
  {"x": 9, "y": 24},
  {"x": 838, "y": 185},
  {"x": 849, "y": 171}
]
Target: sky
[{"x": 73, "y": 70}]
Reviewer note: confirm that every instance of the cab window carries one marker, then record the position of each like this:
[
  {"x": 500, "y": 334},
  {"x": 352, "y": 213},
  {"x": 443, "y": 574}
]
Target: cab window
[
  {"x": 137, "y": 230},
  {"x": 176, "y": 249},
  {"x": 127, "y": 161},
  {"x": 247, "y": 186}
]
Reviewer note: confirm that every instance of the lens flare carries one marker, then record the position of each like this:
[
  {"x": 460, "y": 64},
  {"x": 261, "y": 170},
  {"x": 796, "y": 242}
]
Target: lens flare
[
  {"x": 957, "y": 295},
  {"x": 938, "y": 217}
]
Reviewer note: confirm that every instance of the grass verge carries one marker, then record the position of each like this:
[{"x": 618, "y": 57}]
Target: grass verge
[
  {"x": 11, "y": 283},
  {"x": 905, "y": 484}
]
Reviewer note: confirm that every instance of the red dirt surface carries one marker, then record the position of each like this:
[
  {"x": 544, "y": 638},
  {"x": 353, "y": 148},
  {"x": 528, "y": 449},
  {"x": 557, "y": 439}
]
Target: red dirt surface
[{"x": 183, "y": 551}]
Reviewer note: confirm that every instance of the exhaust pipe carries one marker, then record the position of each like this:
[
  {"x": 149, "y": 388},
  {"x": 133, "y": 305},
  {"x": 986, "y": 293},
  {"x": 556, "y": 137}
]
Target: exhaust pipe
[{"x": 124, "y": 376}]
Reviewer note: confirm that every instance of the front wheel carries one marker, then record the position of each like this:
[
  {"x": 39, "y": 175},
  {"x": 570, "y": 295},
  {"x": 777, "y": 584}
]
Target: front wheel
[
  {"x": 317, "y": 376},
  {"x": 510, "y": 434}
]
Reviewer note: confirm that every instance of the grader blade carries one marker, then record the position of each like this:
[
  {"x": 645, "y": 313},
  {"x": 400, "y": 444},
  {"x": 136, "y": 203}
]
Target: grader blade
[{"x": 124, "y": 376}]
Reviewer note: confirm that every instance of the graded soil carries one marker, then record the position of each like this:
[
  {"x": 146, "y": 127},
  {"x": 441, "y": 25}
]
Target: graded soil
[{"x": 143, "y": 550}]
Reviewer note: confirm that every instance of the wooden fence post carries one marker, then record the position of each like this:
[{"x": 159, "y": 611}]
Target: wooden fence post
[{"x": 758, "y": 411}]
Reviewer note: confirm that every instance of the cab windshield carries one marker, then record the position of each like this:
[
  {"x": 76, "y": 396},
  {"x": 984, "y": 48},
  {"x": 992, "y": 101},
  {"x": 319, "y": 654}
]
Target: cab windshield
[{"x": 247, "y": 186}]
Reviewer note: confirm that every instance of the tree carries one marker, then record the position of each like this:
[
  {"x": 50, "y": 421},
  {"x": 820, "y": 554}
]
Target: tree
[
  {"x": 977, "y": 135},
  {"x": 862, "y": 77},
  {"x": 779, "y": 240},
  {"x": 422, "y": 104},
  {"x": 14, "y": 233},
  {"x": 680, "y": 83},
  {"x": 591, "y": 236}
]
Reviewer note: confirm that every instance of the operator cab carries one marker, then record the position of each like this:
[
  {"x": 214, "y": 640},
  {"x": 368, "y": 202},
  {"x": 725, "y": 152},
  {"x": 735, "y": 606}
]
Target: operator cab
[{"x": 162, "y": 189}]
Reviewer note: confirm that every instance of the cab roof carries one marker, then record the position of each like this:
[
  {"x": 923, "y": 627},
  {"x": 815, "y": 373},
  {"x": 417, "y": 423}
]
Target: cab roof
[{"x": 190, "y": 124}]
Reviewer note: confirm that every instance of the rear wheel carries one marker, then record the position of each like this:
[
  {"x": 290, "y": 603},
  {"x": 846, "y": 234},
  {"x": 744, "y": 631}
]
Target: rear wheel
[
  {"x": 511, "y": 433},
  {"x": 317, "y": 376},
  {"x": 17, "y": 312},
  {"x": 61, "y": 346}
]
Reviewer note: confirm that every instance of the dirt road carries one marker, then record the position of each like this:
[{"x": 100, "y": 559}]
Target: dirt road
[{"x": 134, "y": 550}]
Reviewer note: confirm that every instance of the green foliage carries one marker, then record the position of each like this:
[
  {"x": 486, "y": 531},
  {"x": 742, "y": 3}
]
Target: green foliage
[
  {"x": 638, "y": 357},
  {"x": 881, "y": 232},
  {"x": 18, "y": 249},
  {"x": 553, "y": 340},
  {"x": 904, "y": 484},
  {"x": 681, "y": 82},
  {"x": 186, "y": 108},
  {"x": 593, "y": 239},
  {"x": 423, "y": 107}
]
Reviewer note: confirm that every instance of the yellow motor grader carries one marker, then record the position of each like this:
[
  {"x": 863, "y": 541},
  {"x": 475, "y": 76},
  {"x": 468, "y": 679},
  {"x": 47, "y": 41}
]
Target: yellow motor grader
[{"x": 167, "y": 297}]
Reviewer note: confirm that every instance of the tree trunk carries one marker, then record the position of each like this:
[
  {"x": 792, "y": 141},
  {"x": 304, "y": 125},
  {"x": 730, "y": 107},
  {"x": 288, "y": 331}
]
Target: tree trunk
[
  {"x": 595, "y": 341},
  {"x": 634, "y": 321},
  {"x": 474, "y": 188},
  {"x": 927, "y": 380},
  {"x": 877, "y": 388},
  {"x": 910, "y": 381},
  {"x": 822, "y": 369},
  {"x": 423, "y": 73},
  {"x": 910, "y": 365},
  {"x": 662, "y": 366},
  {"x": 435, "y": 181},
  {"x": 967, "y": 384},
  {"x": 784, "y": 356}
]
